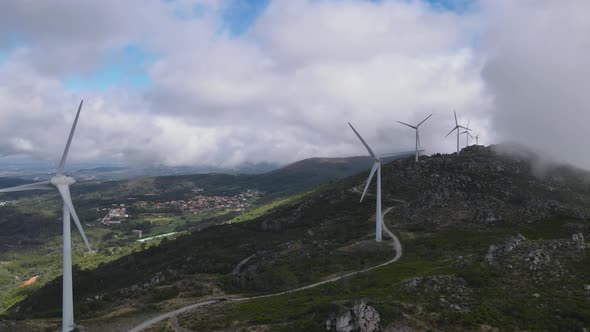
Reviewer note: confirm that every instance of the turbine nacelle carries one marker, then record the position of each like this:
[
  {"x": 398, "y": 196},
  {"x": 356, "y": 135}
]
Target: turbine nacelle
[{"x": 62, "y": 180}]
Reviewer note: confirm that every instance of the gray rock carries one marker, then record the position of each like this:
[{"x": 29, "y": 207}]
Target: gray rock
[
  {"x": 360, "y": 318},
  {"x": 538, "y": 256},
  {"x": 496, "y": 250}
]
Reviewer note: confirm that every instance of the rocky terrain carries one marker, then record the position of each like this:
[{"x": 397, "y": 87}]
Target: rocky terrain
[{"x": 482, "y": 186}]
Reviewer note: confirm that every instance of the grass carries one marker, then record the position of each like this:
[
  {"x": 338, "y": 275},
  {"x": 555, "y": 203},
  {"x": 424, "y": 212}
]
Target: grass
[
  {"x": 499, "y": 302},
  {"x": 262, "y": 209}
]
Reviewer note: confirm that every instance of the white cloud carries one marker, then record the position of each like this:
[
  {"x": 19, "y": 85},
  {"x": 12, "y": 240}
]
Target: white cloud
[
  {"x": 285, "y": 90},
  {"x": 537, "y": 72}
]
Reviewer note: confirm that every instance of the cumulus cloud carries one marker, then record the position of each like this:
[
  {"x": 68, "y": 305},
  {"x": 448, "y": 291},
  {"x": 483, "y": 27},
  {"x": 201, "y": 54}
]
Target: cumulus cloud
[{"x": 284, "y": 89}]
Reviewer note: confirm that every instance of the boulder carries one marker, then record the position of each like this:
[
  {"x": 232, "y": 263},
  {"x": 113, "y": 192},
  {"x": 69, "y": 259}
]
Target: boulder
[
  {"x": 578, "y": 239},
  {"x": 360, "y": 318},
  {"x": 538, "y": 256}
]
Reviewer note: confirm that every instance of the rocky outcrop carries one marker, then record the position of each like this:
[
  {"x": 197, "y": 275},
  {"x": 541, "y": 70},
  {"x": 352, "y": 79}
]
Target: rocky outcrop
[
  {"x": 482, "y": 187},
  {"x": 537, "y": 256},
  {"x": 508, "y": 246},
  {"x": 450, "y": 291},
  {"x": 360, "y": 318},
  {"x": 578, "y": 239}
]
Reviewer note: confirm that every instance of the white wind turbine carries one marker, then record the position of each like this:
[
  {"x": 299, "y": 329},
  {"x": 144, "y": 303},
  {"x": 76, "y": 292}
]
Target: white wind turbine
[
  {"x": 477, "y": 139},
  {"x": 377, "y": 168},
  {"x": 467, "y": 134},
  {"x": 416, "y": 127},
  {"x": 457, "y": 128},
  {"x": 62, "y": 183}
]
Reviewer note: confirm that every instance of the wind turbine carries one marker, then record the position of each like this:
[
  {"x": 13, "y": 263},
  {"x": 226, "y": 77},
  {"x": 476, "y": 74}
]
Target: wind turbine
[
  {"x": 477, "y": 139},
  {"x": 457, "y": 127},
  {"x": 417, "y": 132},
  {"x": 467, "y": 134},
  {"x": 377, "y": 168},
  {"x": 62, "y": 183}
]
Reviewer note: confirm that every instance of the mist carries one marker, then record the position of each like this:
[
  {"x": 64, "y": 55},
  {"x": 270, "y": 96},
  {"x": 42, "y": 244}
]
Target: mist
[{"x": 537, "y": 74}]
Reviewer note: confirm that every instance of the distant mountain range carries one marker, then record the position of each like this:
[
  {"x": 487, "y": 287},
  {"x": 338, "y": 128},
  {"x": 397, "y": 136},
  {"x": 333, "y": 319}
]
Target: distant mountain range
[
  {"x": 90, "y": 172},
  {"x": 110, "y": 173}
]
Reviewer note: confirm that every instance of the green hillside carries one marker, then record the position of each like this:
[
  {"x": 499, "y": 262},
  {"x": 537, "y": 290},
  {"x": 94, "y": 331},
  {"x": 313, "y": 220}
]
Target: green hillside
[
  {"x": 30, "y": 222},
  {"x": 448, "y": 278}
]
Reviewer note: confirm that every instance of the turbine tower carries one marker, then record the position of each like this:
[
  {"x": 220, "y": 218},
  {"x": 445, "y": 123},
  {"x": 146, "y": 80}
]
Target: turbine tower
[
  {"x": 376, "y": 167},
  {"x": 457, "y": 128},
  {"x": 477, "y": 139},
  {"x": 416, "y": 127},
  {"x": 62, "y": 183}
]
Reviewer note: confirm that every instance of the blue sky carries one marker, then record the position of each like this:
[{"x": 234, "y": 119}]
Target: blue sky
[
  {"x": 125, "y": 67},
  {"x": 128, "y": 66}
]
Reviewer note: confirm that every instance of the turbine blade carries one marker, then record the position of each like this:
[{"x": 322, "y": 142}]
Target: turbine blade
[
  {"x": 468, "y": 122},
  {"x": 64, "y": 191},
  {"x": 409, "y": 125},
  {"x": 363, "y": 141},
  {"x": 456, "y": 122},
  {"x": 468, "y": 133},
  {"x": 452, "y": 130},
  {"x": 33, "y": 186},
  {"x": 62, "y": 163},
  {"x": 464, "y": 127},
  {"x": 428, "y": 117},
  {"x": 375, "y": 166}
]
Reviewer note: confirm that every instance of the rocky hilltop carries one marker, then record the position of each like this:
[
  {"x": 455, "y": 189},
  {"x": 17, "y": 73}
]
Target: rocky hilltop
[{"x": 482, "y": 186}]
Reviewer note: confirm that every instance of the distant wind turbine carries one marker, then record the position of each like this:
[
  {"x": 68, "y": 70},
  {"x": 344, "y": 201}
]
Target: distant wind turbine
[
  {"x": 477, "y": 139},
  {"x": 467, "y": 134},
  {"x": 457, "y": 128},
  {"x": 416, "y": 128},
  {"x": 62, "y": 183},
  {"x": 377, "y": 168}
]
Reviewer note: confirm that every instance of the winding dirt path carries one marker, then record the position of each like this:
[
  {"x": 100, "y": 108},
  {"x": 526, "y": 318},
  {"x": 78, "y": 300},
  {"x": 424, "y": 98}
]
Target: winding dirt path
[{"x": 398, "y": 254}]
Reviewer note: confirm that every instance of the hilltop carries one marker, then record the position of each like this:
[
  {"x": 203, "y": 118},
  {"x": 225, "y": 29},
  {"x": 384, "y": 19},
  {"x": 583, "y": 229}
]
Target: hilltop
[{"x": 488, "y": 244}]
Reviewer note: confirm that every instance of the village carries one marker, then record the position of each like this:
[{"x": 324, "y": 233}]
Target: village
[
  {"x": 200, "y": 205},
  {"x": 206, "y": 204},
  {"x": 115, "y": 215}
]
